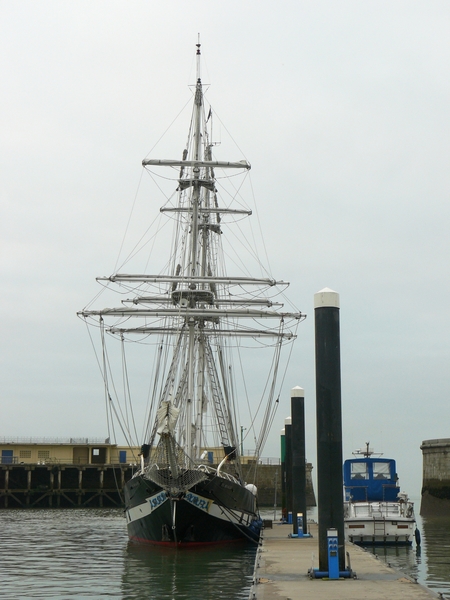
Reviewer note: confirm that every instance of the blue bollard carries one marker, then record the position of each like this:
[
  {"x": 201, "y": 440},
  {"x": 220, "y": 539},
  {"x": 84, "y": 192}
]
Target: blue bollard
[
  {"x": 333, "y": 554},
  {"x": 333, "y": 561}
]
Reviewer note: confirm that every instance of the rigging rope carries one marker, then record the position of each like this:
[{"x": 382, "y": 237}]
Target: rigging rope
[{"x": 127, "y": 391}]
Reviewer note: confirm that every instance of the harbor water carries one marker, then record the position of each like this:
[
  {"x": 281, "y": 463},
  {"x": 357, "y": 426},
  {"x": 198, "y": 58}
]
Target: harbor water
[
  {"x": 85, "y": 553},
  {"x": 429, "y": 563}
]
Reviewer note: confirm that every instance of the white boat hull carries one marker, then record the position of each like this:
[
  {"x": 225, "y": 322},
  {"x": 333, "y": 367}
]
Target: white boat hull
[{"x": 379, "y": 523}]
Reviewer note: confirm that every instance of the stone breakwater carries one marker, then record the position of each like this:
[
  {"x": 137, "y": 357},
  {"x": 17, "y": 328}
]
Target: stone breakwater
[
  {"x": 436, "y": 477},
  {"x": 269, "y": 478}
]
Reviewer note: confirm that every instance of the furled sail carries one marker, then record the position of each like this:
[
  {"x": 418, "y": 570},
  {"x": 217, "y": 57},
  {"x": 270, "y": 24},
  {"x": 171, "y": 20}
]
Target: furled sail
[{"x": 167, "y": 416}]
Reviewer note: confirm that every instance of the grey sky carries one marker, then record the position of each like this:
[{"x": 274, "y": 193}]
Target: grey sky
[{"x": 342, "y": 107}]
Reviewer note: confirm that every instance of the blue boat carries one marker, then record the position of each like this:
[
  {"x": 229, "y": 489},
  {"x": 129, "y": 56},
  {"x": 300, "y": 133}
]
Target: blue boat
[{"x": 376, "y": 512}]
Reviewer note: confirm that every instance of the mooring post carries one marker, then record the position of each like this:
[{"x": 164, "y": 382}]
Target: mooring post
[
  {"x": 329, "y": 423},
  {"x": 283, "y": 475},
  {"x": 288, "y": 465},
  {"x": 298, "y": 459}
]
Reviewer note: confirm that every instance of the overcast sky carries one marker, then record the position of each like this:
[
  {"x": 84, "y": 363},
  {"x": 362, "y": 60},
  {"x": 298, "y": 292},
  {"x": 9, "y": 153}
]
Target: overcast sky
[{"x": 342, "y": 107}]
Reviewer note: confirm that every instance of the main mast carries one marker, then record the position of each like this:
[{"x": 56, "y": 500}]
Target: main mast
[{"x": 197, "y": 155}]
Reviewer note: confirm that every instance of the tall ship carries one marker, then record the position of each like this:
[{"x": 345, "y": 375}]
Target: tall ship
[
  {"x": 196, "y": 317},
  {"x": 376, "y": 512}
]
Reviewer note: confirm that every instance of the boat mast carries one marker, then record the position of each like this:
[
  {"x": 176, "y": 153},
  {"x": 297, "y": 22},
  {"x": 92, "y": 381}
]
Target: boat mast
[
  {"x": 198, "y": 103},
  {"x": 204, "y": 273}
]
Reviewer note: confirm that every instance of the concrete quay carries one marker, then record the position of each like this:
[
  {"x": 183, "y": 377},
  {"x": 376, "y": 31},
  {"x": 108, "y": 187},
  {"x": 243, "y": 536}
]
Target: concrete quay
[{"x": 282, "y": 564}]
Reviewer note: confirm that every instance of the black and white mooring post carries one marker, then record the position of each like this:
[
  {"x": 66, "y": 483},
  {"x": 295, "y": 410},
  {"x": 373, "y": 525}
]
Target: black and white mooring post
[
  {"x": 288, "y": 466},
  {"x": 329, "y": 424},
  {"x": 299, "y": 517}
]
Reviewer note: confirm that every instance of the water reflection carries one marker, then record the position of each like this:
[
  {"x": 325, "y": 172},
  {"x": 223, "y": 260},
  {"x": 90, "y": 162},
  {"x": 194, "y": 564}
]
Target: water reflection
[
  {"x": 428, "y": 563},
  {"x": 85, "y": 553},
  {"x": 209, "y": 572},
  {"x": 407, "y": 559},
  {"x": 435, "y": 535}
]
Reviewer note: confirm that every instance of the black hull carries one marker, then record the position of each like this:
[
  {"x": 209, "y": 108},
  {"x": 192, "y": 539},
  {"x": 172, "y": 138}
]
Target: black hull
[{"x": 212, "y": 512}]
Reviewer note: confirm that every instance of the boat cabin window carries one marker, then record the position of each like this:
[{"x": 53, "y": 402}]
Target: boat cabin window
[
  {"x": 381, "y": 470},
  {"x": 359, "y": 470}
]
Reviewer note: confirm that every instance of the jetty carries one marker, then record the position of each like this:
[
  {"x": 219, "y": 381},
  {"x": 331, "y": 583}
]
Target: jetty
[
  {"x": 62, "y": 486},
  {"x": 283, "y": 564}
]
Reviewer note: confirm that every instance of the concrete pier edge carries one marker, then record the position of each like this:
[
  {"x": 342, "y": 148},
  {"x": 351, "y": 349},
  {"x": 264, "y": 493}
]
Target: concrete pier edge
[{"x": 281, "y": 572}]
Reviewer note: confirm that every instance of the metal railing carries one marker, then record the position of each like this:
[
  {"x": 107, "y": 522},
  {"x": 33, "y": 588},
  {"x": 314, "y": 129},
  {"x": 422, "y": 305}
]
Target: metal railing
[
  {"x": 9, "y": 460},
  {"x": 14, "y": 460},
  {"x": 53, "y": 440},
  {"x": 262, "y": 460}
]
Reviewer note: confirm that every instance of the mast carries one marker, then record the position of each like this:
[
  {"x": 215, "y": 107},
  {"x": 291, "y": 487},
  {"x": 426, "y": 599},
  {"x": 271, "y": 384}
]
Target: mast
[{"x": 198, "y": 103}]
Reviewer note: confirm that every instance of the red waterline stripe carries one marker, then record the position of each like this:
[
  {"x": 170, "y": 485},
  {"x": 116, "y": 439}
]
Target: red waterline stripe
[{"x": 184, "y": 544}]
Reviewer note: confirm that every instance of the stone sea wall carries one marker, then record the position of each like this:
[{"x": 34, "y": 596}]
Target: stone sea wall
[
  {"x": 436, "y": 477},
  {"x": 269, "y": 475}
]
